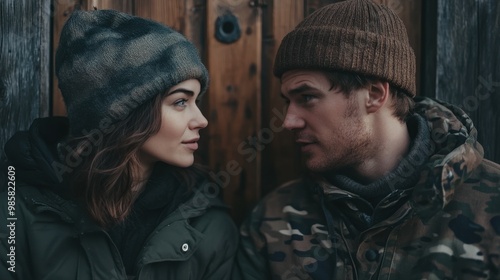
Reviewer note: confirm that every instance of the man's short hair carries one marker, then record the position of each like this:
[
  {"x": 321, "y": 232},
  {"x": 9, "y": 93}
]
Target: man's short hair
[{"x": 347, "y": 82}]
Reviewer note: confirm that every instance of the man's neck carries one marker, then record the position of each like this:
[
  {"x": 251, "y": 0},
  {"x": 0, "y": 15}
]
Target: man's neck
[{"x": 393, "y": 140}]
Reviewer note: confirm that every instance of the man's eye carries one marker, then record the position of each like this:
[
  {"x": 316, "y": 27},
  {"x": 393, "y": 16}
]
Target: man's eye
[{"x": 307, "y": 97}]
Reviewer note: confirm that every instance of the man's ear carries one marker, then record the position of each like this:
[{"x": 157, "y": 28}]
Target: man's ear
[{"x": 378, "y": 94}]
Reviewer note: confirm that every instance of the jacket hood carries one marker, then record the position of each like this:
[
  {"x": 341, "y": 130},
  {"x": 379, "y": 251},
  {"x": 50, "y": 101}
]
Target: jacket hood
[
  {"x": 455, "y": 153},
  {"x": 34, "y": 152}
]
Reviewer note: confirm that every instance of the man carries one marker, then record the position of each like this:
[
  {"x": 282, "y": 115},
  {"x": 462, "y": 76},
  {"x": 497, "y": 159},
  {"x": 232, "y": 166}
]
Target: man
[{"x": 397, "y": 186}]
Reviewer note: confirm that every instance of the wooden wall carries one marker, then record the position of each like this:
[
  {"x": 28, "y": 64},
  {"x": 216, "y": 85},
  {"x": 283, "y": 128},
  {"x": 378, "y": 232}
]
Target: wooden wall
[
  {"x": 24, "y": 66},
  {"x": 244, "y": 144},
  {"x": 462, "y": 64}
]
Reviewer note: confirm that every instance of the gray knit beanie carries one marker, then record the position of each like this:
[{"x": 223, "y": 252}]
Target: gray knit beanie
[
  {"x": 354, "y": 35},
  {"x": 108, "y": 63}
]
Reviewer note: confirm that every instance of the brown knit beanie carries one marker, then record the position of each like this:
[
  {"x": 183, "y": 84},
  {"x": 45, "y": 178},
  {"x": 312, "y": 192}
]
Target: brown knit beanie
[{"x": 354, "y": 35}]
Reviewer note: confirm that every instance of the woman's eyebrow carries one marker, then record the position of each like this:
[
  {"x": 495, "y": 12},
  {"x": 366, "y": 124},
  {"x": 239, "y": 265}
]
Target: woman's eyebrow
[{"x": 182, "y": 90}]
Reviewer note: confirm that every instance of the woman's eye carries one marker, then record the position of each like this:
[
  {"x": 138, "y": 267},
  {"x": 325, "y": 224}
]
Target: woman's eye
[{"x": 180, "y": 102}]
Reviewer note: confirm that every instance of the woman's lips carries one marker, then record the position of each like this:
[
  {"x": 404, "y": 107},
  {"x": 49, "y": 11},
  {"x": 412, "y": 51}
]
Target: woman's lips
[{"x": 191, "y": 144}]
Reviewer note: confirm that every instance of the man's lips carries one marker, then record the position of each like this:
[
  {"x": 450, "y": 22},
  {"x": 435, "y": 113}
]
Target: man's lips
[
  {"x": 305, "y": 144},
  {"x": 303, "y": 139}
]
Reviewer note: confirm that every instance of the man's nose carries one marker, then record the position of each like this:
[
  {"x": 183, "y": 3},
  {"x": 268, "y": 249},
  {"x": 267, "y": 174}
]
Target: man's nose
[{"x": 293, "y": 121}]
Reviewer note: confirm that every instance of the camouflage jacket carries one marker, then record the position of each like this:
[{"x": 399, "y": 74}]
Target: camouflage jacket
[{"x": 446, "y": 227}]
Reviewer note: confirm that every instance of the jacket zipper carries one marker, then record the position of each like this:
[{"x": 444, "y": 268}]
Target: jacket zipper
[{"x": 353, "y": 264}]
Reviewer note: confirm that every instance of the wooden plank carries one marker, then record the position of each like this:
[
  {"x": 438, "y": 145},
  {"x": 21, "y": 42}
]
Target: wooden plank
[
  {"x": 457, "y": 45},
  {"x": 126, "y": 6},
  {"x": 281, "y": 159},
  {"x": 429, "y": 52},
  {"x": 44, "y": 21},
  {"x": 313, "y": 5},
  {"x": 487, "y": 85},
  {"x": 61, "y": 13},
  {"x": 186, "y": 16},
  {"x": 234, "y": 103},
  {"x": 195, "y": 24},
  {"x": 24, "y": 57},
  {"x": 171, "y": 13}
]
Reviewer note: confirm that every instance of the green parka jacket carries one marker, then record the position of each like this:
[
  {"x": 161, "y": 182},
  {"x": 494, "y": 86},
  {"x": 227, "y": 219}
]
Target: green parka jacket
[
  {"x": 447, "y": 226},
  {"x": 49, "y": 238}
]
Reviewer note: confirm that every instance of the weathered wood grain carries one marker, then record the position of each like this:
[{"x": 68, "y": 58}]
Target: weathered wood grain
[
  {"x": 126, "y": 6},
  {"x": 62, "y": 11},
  {"x": 24, "y": 64},
  {"x": 281, "y": 158},
  {"x": 312, "y": 5},
  {"x": 188, "y": 17},
  {"x": 487, "y": 84},
  {"x": 171, "y": 13},
  {"x": 235, "y": 104}
]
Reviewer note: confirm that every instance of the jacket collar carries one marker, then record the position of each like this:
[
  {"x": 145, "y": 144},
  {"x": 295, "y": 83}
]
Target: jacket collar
[
  {"x": 175, "y": 239},
  {"x": 456, "y": 154}
]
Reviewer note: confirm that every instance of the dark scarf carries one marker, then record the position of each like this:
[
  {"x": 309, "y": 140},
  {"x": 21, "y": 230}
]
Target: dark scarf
[{"x": 162, "y": 195}]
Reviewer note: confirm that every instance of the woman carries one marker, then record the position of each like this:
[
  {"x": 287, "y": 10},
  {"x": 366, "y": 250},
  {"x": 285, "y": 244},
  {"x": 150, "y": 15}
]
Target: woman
[{"x": 111, "y": 191}]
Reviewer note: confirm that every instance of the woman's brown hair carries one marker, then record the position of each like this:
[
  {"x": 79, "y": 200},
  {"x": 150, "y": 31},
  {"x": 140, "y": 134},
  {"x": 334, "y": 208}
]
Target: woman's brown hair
[{"x": 104, "y": 180}]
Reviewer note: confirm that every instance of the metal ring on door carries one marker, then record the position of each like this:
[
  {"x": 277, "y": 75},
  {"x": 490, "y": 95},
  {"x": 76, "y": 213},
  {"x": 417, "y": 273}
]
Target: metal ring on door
[{"x": 227, "y": 28}]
